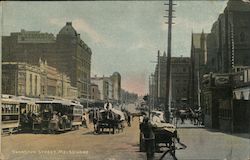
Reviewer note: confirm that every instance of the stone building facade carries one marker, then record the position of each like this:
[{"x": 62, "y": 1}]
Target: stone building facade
[
  {"x": 228, "y": 43},
  {"x": 225, "y": 98},
  {"x": 104, "y": 86},
  {"x": 180, "y": 69},
  {"x": 95, "y": 92},
  {"x": 198, "y": 61},
  {"x": 23, "y": 79},
  {"x": 67, "y": 52},
  {"x": 109, "y": 87}
]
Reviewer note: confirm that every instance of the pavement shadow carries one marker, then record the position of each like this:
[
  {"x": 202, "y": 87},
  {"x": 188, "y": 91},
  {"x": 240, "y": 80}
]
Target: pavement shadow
[
  {"x": 244, "y": 135},
  {"x": 213, "y": 130},
  {"x": 102, "y": 133},
  {"x": 241, "y": 135},
  {"x": 89, "y": 133}
]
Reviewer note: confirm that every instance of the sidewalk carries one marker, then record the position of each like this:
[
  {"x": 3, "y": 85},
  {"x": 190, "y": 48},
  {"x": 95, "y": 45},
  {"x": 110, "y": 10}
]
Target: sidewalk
[{"x": 186, "y": 124}]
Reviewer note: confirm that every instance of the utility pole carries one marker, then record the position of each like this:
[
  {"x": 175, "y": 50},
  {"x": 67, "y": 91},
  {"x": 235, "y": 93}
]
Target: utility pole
[
  {"x": 158, "y": 77},
  {"x": 153, "y": 90},
  {"x": 168, "y": 73}
]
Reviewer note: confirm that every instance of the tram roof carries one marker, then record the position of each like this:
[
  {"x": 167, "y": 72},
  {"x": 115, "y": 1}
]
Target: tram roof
[
  {"x": 63, "y": 102},
  {"x": 9, "y": 101}
]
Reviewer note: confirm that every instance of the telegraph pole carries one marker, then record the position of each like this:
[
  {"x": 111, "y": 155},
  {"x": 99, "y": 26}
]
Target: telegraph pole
[{"x": 170, "y": 16}]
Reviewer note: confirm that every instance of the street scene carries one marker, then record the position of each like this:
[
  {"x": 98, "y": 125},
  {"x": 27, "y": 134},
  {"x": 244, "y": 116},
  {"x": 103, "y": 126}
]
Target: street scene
[
  {"x": 83, "y": 144},
  {"x": 125, "y": 80}
]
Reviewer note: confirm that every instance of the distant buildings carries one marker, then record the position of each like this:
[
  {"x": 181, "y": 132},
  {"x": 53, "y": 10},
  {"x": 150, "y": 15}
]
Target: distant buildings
[
  {"x": 116, "y": 86},
  {"x": 128, "y": 97},
  {"x": 66, "y": 52},
  {"x": 109, "y": 87},
  {"x": 95, "y": 92},
  {"x": 105, "y": 87},
  {"x": 180, "y": 68}
]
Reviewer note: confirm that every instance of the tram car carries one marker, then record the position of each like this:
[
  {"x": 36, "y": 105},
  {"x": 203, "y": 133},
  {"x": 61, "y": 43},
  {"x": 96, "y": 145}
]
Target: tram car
[
  {"x": 28, "y": 108},
  {"x": 57, "y": 115},
  {"x": 10, "y": 114},
  {"x": 162, "y": 132}
]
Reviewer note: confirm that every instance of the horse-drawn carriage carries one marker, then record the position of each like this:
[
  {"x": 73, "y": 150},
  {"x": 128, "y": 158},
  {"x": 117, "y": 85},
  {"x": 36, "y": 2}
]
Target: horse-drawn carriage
[
  {"x": 155, "y": 134},
  {"x": 110, "y": 119}
]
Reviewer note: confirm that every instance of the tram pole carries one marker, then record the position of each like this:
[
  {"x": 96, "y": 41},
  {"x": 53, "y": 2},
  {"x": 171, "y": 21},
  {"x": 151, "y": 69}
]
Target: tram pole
[
  {"x": 168, "y": 69},
  {"x": 1, "y": 155}
]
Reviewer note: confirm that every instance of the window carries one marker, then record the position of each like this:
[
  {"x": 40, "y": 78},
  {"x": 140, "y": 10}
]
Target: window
[
  {"x": 30, "y": 84},
  {"x": 35, "y": 84}
]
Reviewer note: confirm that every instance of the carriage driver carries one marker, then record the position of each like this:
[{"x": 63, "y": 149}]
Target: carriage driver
[{"x": 108, "y": 106}]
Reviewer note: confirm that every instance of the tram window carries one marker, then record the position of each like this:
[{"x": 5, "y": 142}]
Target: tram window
[{"x": 12, "y": 109}]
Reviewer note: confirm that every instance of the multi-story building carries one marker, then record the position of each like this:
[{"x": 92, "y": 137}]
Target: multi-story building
[
  {"x": 226, "y": 91},
  {"x": 109, "y": 87},
  {"x": 19, "y": 78},
  {"x": 160, "y": 78},
  {"x": 95, "y": 92},
  {"x": 228, "y": 43},
  {"x": 104, "y": 86},
  {"x": 23, "y": 79},
  {"x": 116, "y": 86},
  {"x": 180, "y": 68},
  {"x": 128, "y": 97},
  {"x": 198, "y": 61},
  {"x": 66, "y": 52}
]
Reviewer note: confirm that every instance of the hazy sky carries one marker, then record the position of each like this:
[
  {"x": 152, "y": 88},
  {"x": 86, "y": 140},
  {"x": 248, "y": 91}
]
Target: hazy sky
[{"x": 123, "y": 36}]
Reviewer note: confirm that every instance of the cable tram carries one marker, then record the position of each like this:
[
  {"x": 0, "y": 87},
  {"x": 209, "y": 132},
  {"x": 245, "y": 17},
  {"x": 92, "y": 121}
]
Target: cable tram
[
  {"x": 57, "y": 115},
  {"x": 28, "y": 108},
  {"x": 10, "y": 114}
]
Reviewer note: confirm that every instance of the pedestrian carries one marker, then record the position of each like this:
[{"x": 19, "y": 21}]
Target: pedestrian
[
  {"x": 84, "y": 120},
  {"x": 95, "y": 119},
  {"x": 129, "y": 120},
  {"x": 149, "y": 137}
]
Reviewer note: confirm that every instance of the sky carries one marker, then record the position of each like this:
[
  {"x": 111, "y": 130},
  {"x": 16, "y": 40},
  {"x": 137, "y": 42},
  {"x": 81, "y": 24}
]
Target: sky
[{"x": 124, "y": 36}]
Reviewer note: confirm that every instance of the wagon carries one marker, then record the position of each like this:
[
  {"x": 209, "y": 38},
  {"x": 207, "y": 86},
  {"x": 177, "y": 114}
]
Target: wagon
[
  {"x": 111, "y": 120},
  {"x": 163, "y": 134}
]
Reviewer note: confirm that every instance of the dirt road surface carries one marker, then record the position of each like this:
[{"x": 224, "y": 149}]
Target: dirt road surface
[{"x": 81, "y": 144}]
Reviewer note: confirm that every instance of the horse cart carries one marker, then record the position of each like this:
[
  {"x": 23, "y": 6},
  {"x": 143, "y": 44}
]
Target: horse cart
[
  {"x": 156, "y": 135},
  {"x": 111, "y": 119}
]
